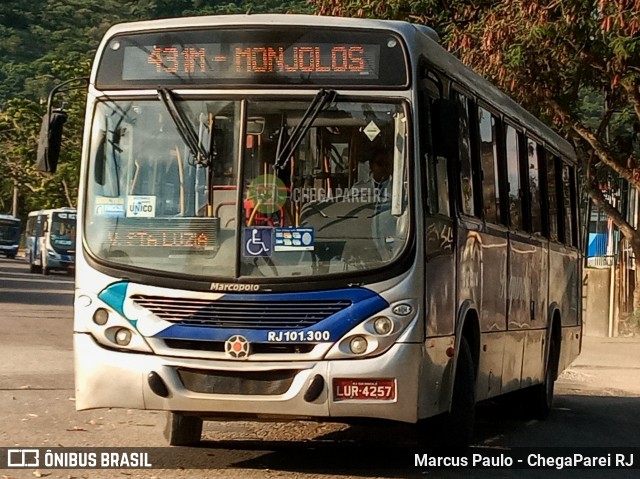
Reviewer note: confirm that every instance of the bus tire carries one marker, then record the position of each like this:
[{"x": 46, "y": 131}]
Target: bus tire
[
  {"x": 32, "y": 267},
  {"x": 182, "y": 430},
  {"x": 538, "y": 399},
  {"x": 457, "y": 424}
]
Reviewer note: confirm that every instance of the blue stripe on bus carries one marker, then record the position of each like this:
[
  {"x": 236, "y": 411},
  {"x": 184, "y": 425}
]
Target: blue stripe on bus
[
  {"x": 114, "y": 296},
  {"x": 365, "y": 304}
]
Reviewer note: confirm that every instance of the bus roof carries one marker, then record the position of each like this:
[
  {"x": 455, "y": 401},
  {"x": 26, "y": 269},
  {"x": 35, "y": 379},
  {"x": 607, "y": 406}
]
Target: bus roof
[
  {"x": 414, "y": 34},
  {"x": 259, "y": 19},
  {"x": 52, "y": 210}
]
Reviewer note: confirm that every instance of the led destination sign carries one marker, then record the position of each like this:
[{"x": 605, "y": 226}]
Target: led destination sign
[
  {"x": 255, "y": 57},
  {"x": 237, "y": 60},
  {"x": 158, "y": 233}
]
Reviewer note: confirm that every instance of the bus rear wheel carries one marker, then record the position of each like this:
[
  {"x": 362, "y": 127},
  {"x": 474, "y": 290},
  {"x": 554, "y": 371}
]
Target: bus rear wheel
[
  {"x": 32, "y": 267},
  {"x": 539, "y": 398},
  {"x": 183, "y": 430}
]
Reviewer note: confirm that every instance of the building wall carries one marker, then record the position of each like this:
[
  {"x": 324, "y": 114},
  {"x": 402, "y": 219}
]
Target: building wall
[{"x": 597, "y": 289}]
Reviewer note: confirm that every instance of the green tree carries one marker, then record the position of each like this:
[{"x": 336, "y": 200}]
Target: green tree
[
  {"x": 575, "y": 63},
  {"x": 19, "y": 129}
]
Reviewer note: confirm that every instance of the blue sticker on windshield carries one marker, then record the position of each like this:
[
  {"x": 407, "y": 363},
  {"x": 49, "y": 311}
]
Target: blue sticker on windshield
[
  {"x": 110, "y": 207},
  {"x": 294, "y": 239},
  {"x": 257, "y": 241}
]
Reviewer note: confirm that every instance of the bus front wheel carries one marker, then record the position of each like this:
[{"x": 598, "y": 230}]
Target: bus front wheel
[
  {"x": 45, "y": 269},
  {"x": 456, "y": 426},
  {"x": 32, "y": 267},
  {"x": 183, "y": 430}
]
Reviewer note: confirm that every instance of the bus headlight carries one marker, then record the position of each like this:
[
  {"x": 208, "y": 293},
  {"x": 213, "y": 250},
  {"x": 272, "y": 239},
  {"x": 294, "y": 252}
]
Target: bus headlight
[
  {"x": 101, "y": 316},
  {"x": 108, "y": 327},
  {"x": 358, "y": 344},
  {"x": 382, "y": 325},
  {"x": 377, "y": 334},
  {"x": 123, "y": 336}
]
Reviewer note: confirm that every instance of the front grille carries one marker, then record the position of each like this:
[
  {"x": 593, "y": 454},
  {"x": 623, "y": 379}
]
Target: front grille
[
  {"x": 240, "y": 314},
  {"x": 250, "y": 383},
  {"x": 255, "y": 348}
]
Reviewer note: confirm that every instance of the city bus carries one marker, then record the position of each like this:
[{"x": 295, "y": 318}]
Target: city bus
[
  {"x": 10, "y": 230},
  {"x": 237, "y": 259},
  {"x": 51, "y": 240}
]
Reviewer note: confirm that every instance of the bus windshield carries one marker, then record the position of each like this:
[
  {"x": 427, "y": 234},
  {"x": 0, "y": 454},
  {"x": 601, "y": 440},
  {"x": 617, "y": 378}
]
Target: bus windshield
[
  {"x": 9, "y": 231},
  {"x": 248, "y": 188},
  {"x": 63, "y": 231}
]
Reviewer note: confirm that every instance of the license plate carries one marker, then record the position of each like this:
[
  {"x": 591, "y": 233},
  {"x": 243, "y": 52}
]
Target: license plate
[{"x": 379, "y": 389}]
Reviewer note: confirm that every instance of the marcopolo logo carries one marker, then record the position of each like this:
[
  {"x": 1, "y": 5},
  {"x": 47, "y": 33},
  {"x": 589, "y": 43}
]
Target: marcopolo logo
[
  {"x": 236, "y": 287},
  {"x": 268, "y": 193},
  {"x": 141, "y": 206}
]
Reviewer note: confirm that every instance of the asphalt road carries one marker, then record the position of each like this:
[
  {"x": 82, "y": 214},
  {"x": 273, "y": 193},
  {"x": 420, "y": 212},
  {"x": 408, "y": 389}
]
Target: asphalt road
[{"x": 37, "y": 410}]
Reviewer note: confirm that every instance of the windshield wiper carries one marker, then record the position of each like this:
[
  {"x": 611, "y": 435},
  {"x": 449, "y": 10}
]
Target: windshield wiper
[
  {"x": 202, "y": 156},
  {"x": 319, "y": 102}
]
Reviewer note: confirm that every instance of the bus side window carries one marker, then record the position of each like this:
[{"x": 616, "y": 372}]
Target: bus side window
[
  {"x": 444, "y": 134},
  {"x": 553, "y": 192},
  {"x": 466, "y": 162},
  {"x": 487, "y": 124},
  {"x": 443, "y": 185},
  {"x": 513, "y": 178},
  {"x": 535, "y": 200},
  {"x": 569, "y": 204}
]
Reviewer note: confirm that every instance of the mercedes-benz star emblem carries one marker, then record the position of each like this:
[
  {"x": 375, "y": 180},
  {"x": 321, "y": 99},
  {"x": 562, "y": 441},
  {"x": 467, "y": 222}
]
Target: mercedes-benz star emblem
[{"x": 237, "y": 346}]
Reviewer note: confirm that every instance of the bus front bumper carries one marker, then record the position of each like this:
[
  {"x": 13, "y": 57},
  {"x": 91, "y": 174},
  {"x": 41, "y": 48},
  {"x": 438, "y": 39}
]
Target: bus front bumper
[
  {"x": 109, "y": 378},
  {"x": 10, "y": 250}
]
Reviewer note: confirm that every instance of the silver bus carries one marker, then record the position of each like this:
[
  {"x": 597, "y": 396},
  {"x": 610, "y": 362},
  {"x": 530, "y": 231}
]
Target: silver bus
[{"x": 287, "y": 216}]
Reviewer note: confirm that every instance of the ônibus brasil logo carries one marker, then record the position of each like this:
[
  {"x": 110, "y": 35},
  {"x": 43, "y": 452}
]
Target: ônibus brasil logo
[{"x": 268, "y": 193}]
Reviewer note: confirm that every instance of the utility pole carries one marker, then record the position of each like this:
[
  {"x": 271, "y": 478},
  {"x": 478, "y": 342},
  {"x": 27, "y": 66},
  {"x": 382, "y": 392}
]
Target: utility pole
[{"x": 14, "y": 211}]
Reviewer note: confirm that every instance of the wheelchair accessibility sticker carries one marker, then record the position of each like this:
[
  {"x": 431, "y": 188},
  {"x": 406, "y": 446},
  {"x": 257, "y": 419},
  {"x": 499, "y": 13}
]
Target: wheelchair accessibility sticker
[{"x": 258, "y": 241}]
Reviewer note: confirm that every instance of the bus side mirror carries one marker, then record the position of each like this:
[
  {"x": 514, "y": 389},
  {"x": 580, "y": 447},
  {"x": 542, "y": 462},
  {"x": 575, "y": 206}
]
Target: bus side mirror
[
  {"x": 50, "y": 140},
  {"x": 445, "y": 126}
]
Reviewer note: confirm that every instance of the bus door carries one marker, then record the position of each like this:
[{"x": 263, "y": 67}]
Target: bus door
[
  {"x": 524, "y": 350},
  {"x": 35, "y": 227},
  {"x": 440, "y": 268}
]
